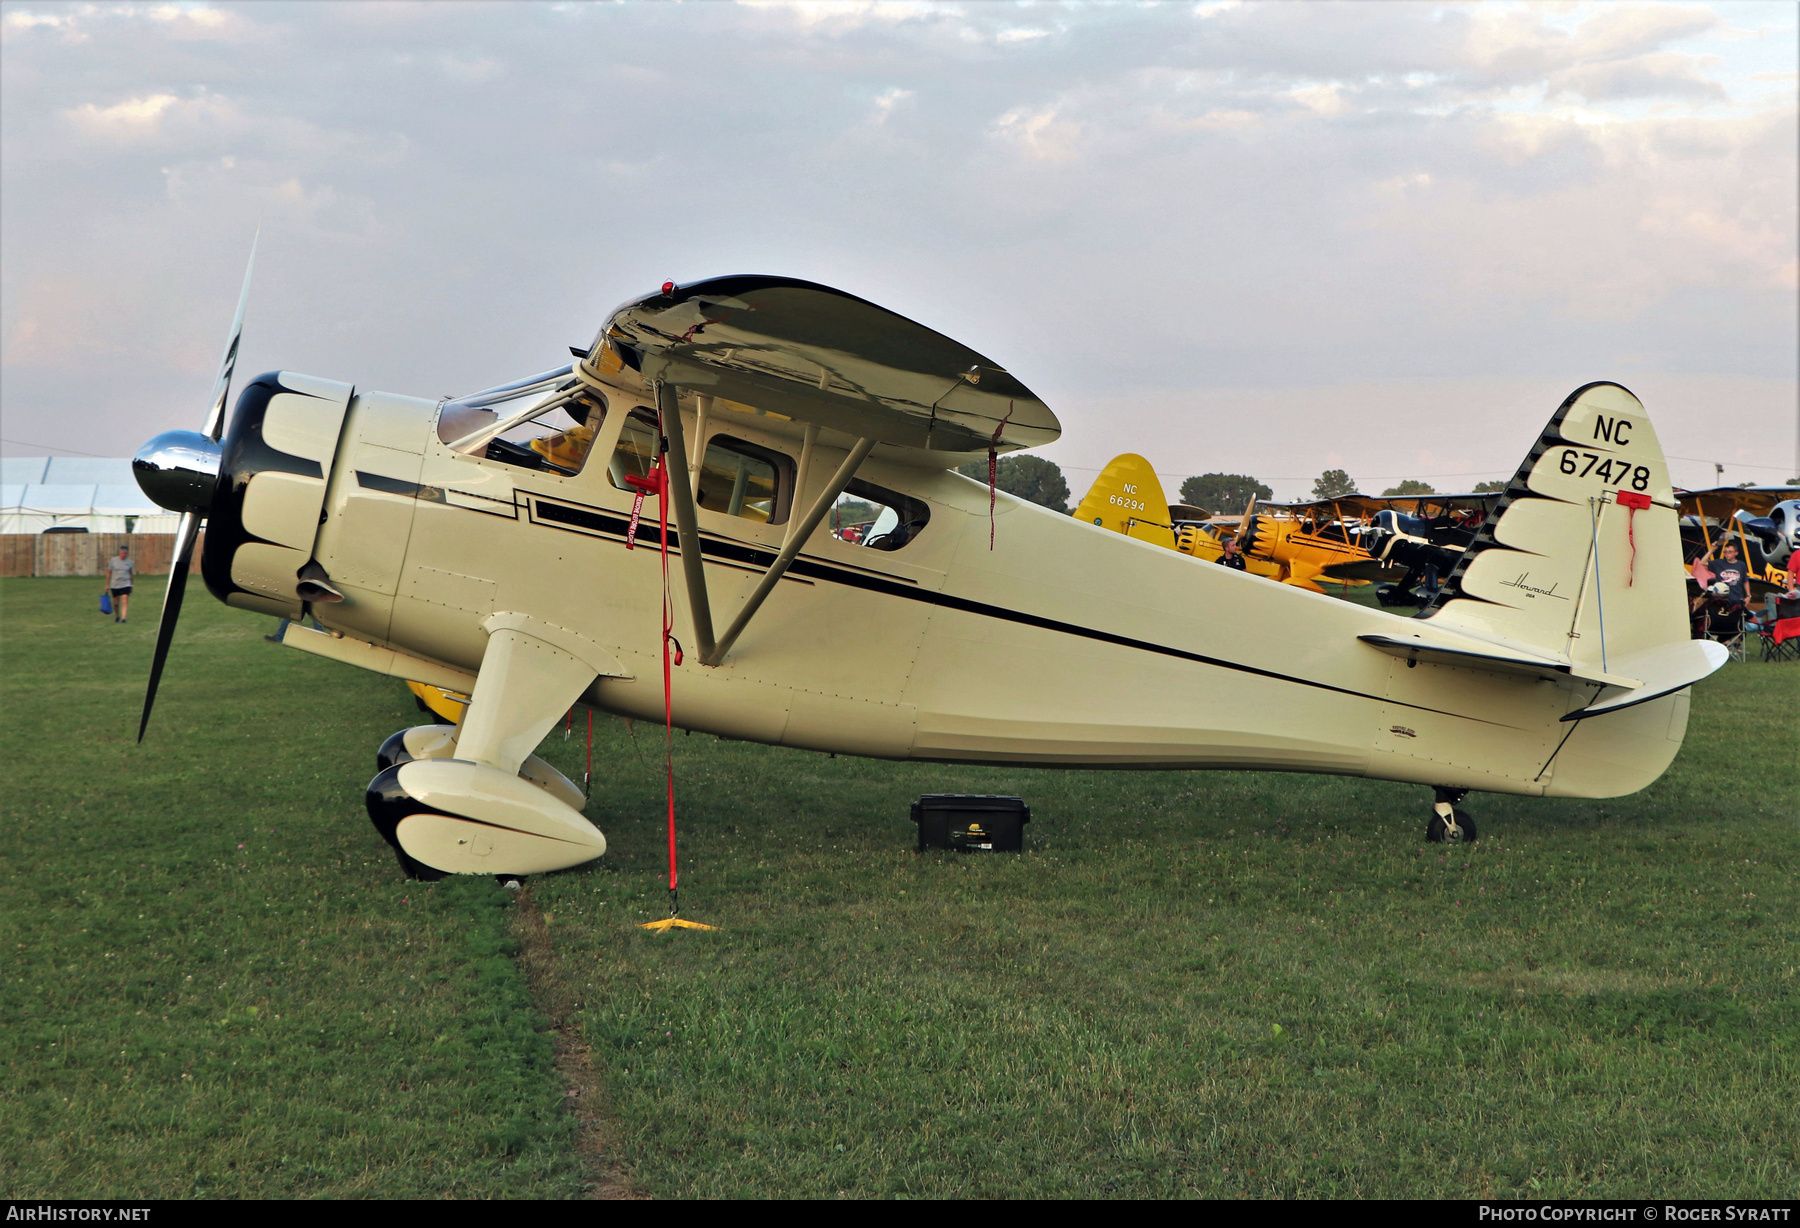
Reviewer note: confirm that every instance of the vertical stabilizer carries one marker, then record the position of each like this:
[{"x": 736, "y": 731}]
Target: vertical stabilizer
[
  {"x": 1582, "y": 555},
  {"x": 1127, "y": 498}
]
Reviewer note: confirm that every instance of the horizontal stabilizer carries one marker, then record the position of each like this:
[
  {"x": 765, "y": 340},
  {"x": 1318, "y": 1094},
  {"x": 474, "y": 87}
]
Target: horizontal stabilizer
[
  {"x": 1472, "y": 654},
  {"x": 1664, "y": 671}
]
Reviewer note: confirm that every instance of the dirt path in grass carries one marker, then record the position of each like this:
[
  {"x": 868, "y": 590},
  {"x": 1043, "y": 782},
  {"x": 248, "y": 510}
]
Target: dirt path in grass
[{"x": 604, "y": 1174}]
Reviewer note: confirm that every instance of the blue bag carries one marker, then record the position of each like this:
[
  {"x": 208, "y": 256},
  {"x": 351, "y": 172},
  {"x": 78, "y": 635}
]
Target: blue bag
[{"x": 105, "y": 602}]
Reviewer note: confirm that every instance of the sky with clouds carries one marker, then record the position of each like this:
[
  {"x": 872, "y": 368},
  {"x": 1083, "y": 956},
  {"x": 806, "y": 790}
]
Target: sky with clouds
[{"x": 1265, "y": 238}]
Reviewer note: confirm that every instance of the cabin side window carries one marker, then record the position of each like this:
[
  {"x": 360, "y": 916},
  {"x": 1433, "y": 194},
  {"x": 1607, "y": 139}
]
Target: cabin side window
[
  {"x": 736, "y": 478},
  {"x": 877, "y": 518},
  {"x": 742, "y": 479},
  {"x": 559, "y": 442}
]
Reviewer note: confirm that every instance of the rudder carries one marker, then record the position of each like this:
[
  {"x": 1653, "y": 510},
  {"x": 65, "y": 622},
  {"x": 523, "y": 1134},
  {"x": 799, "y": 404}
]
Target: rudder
[{"x": 1581, "y": 557}]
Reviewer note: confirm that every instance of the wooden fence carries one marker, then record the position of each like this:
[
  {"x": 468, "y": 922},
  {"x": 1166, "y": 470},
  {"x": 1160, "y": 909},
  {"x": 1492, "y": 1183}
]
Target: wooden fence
[{"x": 85, "y": 554}]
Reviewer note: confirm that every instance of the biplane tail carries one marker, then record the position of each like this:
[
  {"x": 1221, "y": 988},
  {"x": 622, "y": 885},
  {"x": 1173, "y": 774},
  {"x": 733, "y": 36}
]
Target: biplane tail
[
  {"x": 1127, "y": 498},
  {"x": 1581, "y": 557}
]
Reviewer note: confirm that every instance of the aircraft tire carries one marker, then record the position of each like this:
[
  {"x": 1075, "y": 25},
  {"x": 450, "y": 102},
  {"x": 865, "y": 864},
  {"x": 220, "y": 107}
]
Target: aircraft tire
[{"x": 1436, "y": 833}]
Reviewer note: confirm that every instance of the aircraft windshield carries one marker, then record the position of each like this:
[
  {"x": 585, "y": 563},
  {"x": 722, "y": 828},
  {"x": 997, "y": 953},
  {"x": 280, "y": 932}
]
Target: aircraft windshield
[{"x": 552, "y": 443}]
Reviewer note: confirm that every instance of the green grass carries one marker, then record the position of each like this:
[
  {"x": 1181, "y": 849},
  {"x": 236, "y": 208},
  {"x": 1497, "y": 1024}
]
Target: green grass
[
  {"x": 214, "y": 980},
  {"x": 1598, "y": 999}
]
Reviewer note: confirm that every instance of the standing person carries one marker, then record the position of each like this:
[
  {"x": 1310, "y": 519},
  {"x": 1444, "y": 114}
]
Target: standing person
[
  {"x": 1730, "y": 584},
  {"x": 1233, "y": 557},
  {"x": 118, "y": 583}
]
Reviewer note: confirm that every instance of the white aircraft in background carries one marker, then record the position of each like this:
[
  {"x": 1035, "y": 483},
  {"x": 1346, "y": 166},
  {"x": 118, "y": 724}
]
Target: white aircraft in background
[{"x": 493, "y": 544}]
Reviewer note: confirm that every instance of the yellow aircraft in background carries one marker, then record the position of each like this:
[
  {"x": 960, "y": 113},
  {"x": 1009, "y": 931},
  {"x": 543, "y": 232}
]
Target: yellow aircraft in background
[
  {"x": 435, "y": 699},
  {"x": 1128, "y": 498},
  {"x": 1763, "y": 520},
  {"x": 1405, "y": 544}
]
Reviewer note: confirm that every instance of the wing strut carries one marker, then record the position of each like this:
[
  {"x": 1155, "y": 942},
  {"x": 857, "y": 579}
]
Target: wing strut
[
  {"x": 796, "y": 538},
  {"x": 688, "y": 530}
]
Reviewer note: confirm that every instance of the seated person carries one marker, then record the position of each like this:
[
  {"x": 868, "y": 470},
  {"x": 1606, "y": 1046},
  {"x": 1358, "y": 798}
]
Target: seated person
[
  {"x": 566, "y": 449},
  {"x": 557, "y": 452}
]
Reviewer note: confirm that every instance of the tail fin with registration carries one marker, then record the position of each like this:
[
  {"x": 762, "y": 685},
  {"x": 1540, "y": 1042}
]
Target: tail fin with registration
[
  {"x": 1127, "y": 498},
  {"x": 1581, "y": 558}
]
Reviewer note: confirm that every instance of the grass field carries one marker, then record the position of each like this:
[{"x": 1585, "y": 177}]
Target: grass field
[{"x": 1206, "y": 984}]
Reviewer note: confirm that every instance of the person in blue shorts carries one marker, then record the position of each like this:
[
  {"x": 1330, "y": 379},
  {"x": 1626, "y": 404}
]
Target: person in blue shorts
[{"x": 118, "y": 583}]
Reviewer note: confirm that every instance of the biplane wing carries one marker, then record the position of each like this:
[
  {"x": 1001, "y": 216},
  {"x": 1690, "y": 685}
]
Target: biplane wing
[
  {"x": 1358, "y": 505},
  {"x": 1724, "y": 502}
]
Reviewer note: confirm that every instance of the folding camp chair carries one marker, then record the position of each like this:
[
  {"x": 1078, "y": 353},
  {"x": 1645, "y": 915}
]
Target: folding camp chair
[
  {"x": 1725, "y": 625},
  {"x": 1780, "y": 630}
]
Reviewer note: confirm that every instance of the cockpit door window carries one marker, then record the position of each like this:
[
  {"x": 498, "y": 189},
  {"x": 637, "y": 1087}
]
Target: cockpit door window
[{"x": 635, "y": 454}]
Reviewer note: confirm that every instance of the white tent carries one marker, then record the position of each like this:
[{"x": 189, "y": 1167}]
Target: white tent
[{"x": 76, "y": 492}]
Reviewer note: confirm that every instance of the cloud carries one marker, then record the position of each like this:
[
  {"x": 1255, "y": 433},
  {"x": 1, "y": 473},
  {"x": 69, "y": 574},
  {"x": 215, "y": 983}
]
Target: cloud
[
  {"x": 887, "y": 100},
  {"x": 1326, "y": 100},
  {"x": 1039, "y": 133},
  {"x": 1653, "y": 75},
  {"x": 1139, "y": 208},
  {"x": 130, "y": 114},
  {"x": 19, "y": 19},
  {"x": 840, "y": 16},
  {"x": 200, "y": 17},
  {"x": 471, "y": 71}
]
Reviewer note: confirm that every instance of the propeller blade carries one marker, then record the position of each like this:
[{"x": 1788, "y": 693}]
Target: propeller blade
[
  {"x": 215, "y": 416},
  {"x": 185, "y": 536}
]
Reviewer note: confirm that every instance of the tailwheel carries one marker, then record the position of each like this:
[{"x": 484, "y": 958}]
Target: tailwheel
[
  {"x": 1440, "y": 830},
  {"x": 1448, "y": 824}
]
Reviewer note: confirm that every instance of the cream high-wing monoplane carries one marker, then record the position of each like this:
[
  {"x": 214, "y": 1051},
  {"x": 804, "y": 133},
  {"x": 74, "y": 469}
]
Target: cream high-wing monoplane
[{"x": 464, "y": 544}]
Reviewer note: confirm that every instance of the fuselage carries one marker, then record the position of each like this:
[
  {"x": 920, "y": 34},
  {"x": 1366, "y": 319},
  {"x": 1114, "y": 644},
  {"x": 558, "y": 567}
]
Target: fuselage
[{"x": 1000, "y": 632}]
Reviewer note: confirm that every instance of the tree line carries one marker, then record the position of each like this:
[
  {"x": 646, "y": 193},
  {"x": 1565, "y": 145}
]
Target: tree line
[{"x": 1041, "y": 481}]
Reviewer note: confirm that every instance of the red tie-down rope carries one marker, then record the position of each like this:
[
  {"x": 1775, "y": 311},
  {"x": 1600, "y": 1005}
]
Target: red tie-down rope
[
  {"x": 657, "y": 482},
  {"x": 994, "y": 469},
  {"x": 1635, "y": 503}
]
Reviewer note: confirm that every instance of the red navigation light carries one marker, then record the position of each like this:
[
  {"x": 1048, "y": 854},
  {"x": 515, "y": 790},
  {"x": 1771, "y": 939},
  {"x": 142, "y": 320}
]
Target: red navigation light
[{"x": 668, "y": 287}]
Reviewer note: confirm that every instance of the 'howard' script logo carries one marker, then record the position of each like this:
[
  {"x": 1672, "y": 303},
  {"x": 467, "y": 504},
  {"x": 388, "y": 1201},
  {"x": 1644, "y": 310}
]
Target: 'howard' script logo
[{"x": 1532, "y": 589}]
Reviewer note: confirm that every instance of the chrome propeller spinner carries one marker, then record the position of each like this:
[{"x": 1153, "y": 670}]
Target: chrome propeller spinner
[{"x": 179, "y": 470}]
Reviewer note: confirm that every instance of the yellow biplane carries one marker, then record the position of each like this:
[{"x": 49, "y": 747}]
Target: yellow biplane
[
  {"x": 1403, "y": 544},
  {"x": 1763, "y": 520}
]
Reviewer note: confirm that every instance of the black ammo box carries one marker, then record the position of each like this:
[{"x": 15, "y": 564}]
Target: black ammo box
[{"x": 971, "y": 823}]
